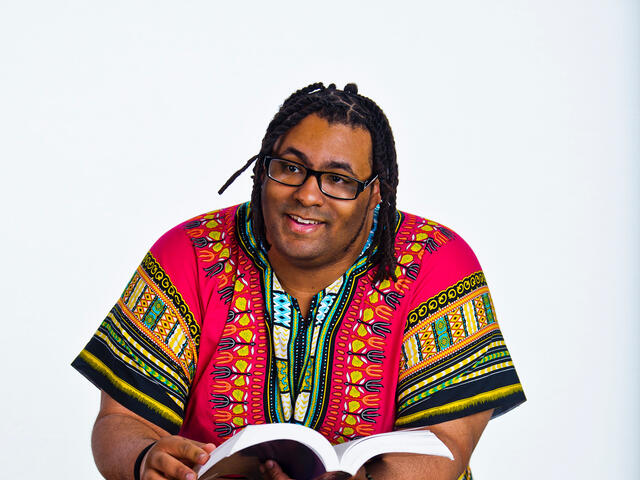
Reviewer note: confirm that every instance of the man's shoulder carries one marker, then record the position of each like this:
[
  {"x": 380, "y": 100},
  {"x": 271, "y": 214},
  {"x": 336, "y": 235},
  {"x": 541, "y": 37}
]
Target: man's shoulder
[
  {"x": 205, "y": 227},
  {"x": 429, "y": 241},
  {"x": 211, "y": 218},
  {"x": 428, "y": 232},
  {"x": 413, "y": 219}
]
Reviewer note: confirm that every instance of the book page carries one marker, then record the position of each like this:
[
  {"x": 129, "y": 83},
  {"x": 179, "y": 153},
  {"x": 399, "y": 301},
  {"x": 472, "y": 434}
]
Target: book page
[{"x": 355, "y": 453}]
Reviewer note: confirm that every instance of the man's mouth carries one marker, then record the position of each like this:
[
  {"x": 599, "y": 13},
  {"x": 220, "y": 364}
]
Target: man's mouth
[{"x": 304, "y": 221}]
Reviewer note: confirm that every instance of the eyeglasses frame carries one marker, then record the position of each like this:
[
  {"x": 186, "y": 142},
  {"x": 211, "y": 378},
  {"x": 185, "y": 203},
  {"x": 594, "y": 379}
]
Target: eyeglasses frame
[{"x": 316, "y": 173}]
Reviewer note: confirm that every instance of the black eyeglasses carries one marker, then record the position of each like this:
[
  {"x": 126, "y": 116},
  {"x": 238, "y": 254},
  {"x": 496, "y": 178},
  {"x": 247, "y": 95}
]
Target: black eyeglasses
[{"x": 331, "y": 184}]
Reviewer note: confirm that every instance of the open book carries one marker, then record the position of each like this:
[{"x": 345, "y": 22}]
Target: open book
[{"x": 305, "y": 454}]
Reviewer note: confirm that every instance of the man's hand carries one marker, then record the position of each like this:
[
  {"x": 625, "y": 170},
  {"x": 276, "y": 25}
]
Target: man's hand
[
  {"x": 174, "y": 457},
  {"x": 119, "y": 435},
  {"x": 272, "y": 471}
]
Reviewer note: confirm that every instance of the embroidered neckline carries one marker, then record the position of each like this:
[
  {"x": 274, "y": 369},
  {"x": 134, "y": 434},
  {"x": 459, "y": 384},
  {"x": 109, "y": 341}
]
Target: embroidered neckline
[{"x": 297, "y": 388}]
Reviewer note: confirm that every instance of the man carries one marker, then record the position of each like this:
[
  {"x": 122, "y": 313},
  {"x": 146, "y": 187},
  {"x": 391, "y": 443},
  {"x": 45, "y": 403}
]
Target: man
[{"x": 316, "y": 303}]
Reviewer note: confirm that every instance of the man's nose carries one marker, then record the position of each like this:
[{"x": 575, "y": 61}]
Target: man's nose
[{"x": 309, "y": 194}]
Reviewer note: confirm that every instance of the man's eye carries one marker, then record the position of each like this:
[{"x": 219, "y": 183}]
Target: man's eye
[
  {"x": 336, "y": 179},
  {"x": 292, "y": 168}
]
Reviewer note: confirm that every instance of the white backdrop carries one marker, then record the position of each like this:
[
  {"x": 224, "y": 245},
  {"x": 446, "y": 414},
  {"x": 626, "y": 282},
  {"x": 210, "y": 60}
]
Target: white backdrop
[{"x": 516, "y": 124}]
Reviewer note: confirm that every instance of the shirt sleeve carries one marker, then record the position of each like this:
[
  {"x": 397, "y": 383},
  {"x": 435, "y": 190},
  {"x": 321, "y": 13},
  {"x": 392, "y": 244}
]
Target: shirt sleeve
[
  {"x": 145, "y": 351},
  {"x": 454, "y": 359}
]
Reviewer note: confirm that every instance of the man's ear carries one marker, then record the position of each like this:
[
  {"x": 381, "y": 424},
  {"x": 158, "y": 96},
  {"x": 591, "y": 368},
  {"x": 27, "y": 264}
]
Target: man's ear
[
  {"x": 263, "y": 175},
  {"x": 374, "y": 198}
]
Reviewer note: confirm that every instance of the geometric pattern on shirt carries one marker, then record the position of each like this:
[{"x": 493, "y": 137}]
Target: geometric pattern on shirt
[
  {"x": 210, "y": 239},
  {"x": 234, "y": 393},
  {"x": 256, "y": 309},
  {"x": 240, "y": 395},
  {"x": 299, "y": 391},
  {"x": 378, "y": 317},
  {"x": 302, "y": 391},
  {"x": 244, "y": 376},
  {"x": 295, "y": 343},
  {"x": 360, "y": 371},
  {"x": 151, "y": 299},
  {"x": 445, "y": 298},
  {"x": 238, "y": 365},
  {"x": 457, "y": 348},
  {"x": 146, "y": 348}
]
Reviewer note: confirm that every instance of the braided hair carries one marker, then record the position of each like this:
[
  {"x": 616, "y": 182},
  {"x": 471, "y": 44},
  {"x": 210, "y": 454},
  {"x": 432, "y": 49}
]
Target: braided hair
[{"x": 349, "y": 108}]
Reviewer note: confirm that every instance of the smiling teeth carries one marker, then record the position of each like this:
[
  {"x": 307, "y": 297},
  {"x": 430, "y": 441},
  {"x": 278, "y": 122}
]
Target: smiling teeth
[{"x": 304, "y": 221}]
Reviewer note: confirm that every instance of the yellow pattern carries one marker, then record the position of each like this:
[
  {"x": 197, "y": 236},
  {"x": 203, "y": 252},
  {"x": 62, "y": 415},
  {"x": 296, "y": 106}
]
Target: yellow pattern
[
  {"x": 302, "y": 403},
  {"x": 466, "y": 361},
  {"x": 177, "y": 340},
  {"x": 281, "y": 339},
  {"x": 147, "y": 355},
  {"x": 462, "y": 404},
  {"x": 412, "y": 351},
  {"x": 130, "y": 390},
  {"x": 454, "y": 306},
  {"x": 335, "y": 286},
  {"x": 286, "y": 405},
  {"x": 447, "y": 353},
  {"x": 314, "y": 338},
  {"x": 175, "y": 317},
  {"x": 137, "y": 291},
  {"x": 469, "y": 315}
]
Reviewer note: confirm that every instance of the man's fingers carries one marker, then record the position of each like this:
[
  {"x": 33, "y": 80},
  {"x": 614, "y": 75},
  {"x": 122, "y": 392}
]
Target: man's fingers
[
  {"x": 185, "y": 449},
  {"x": 154, "y": 475},
  {"x": 189, "y": 451},
  {"x": 207, "y": 447},
  {"x": 169, "y": 467},
  {"x": 173, "y": 456},
  {"x": 273, "y": 471}
]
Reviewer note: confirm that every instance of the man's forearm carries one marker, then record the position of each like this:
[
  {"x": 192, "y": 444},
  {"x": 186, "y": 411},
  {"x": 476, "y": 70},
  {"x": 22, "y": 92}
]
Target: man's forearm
[
  {"x": 120, "y": 435},
  {"x": 116, "y": 441},
  {"x": 460, "y": 436},
  {"x": 413, "y": 466}
]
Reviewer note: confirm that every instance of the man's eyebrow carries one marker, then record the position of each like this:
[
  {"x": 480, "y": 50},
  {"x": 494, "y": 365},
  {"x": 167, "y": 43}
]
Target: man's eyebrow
[
  {"x": 295, "y": 152},
  {"x": 335, "y": 164},
  {"x": 341, "y": 165}
]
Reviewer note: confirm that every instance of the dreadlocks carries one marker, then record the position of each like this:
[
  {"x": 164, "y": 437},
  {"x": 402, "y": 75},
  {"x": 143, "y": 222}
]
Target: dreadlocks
[{"x": 349, "y": 108}]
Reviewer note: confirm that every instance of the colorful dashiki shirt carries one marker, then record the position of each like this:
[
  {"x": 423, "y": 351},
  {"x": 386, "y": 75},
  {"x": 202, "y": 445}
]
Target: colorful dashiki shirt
[{"x": 204, "y": 340}]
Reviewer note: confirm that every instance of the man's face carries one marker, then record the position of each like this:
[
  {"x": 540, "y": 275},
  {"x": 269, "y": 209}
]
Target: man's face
[{"x": 305, "y": 227}]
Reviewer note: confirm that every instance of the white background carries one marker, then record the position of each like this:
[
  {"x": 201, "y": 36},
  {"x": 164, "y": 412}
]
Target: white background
[{"x": 516, "y": 125}]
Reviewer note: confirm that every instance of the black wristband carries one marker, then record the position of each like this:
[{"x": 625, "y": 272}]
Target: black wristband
[{"x": 138, "y": 464}]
